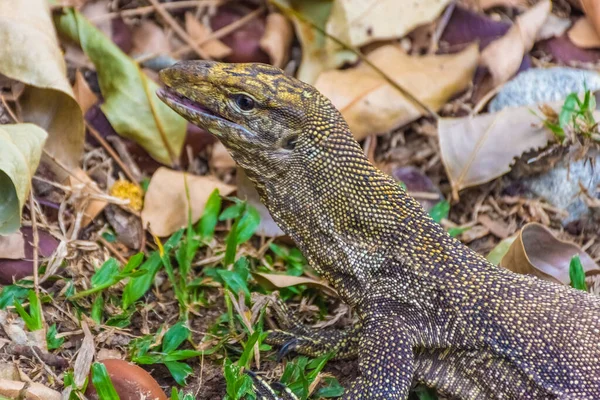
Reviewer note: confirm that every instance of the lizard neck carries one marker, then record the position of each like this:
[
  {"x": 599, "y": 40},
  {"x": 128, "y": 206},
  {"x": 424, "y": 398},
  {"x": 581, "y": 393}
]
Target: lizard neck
[{"x": 342, "y": 212}]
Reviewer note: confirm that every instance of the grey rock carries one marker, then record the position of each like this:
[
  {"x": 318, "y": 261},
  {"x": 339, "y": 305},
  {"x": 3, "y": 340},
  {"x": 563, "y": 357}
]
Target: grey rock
[
  {"x": 560, "y": 187},
  {"x": 539, "y": 85}
]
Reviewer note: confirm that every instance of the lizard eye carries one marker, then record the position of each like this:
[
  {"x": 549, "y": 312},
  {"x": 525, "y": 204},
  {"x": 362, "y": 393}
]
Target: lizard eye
[
  {"x": 245, "y": 103},
  {"x": 290, "y": 142}
]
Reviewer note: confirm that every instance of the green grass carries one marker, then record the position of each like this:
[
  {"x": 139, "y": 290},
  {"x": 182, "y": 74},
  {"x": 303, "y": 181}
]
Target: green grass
[{"x": 576, "y": 117}]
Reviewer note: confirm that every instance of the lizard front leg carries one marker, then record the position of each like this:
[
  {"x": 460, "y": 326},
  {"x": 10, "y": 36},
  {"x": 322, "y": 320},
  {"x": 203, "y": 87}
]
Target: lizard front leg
[
  {"x": 386, "y": 361},
  {"x": 295, "y": 336}
]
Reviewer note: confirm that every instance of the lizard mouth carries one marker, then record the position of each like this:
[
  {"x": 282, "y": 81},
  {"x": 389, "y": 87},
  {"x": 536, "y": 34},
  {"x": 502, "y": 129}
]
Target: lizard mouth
[
  {"x": 196, "y": 112},
  {"x": 201, "y": 115},
  {"x": 177, "y": 101}
]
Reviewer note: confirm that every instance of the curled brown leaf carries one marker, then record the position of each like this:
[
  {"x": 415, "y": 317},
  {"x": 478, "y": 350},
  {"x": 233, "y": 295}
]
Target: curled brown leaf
[{"x": 536, "y": 251}]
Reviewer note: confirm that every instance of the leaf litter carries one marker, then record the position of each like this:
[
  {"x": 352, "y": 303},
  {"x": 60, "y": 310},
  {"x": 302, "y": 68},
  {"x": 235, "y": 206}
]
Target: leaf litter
[{"x": 185, "y": 303}]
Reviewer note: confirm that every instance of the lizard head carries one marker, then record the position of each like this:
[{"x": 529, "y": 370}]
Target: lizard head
[
  {"x": 266, "y": 119},
  {"x": 299, "y": 152}
]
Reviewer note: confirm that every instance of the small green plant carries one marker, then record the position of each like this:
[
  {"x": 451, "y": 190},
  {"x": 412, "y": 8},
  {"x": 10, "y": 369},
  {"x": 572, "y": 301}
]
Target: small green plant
[
  {"x": 109, "y": 274},
  {"x": 239, "y": 384},
  {"x": 575, "y": 116},
  {"x": 33, "y": 319},
  {"x": 52, "y": 340},
  {"x": 145, "y": 351},
  {"x": 180, "y": 395},
  {"x": 577, "y": 274},
  {"x": 440, "y": 211},
  {"x": 14, "y": 293},
  {"x": 300, "y": 373},
  {"x": 425, "y": 393}
]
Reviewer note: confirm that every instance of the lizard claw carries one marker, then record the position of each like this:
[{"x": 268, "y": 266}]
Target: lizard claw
[
  {"x": 286, "y": 348},
  {"x": 264, "y": 390}
]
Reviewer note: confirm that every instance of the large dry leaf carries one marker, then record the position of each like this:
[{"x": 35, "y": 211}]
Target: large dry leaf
[
  {"x": 592, "y": 10},
  {"x": 503, "y": 56},
  {"x": 83, "y": 93},
  {"x": 130, "y": 101},
  {"x": 166, "y": 205},
  {"x": 199, "y": 32},
  {"x": 477, "y": 149},
  {"x": 358, "y": 22},
  {"x": 149, "y": 39},
  {"x": 27, "y": 390},
  {"x": 485, "y": 4},
  {"x": 584, "y": 35},
  {"x": 371, "y": 105},
  {"x": 278, "y": 281},
  {"x": 29, "y": 53},
  {"x": 20, "y": 151},
  {"x": 536, "y": 251},
  {"x": 277, "y": 39},
  {"x": 12, "y": 246},
  {"x": 318, "y": 52}
]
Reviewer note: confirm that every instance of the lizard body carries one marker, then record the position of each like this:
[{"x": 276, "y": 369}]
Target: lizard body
[{"x": 431, "y": 310}]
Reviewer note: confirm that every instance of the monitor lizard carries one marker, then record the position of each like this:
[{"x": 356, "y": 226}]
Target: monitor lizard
[{"x": 430, "y": 309}]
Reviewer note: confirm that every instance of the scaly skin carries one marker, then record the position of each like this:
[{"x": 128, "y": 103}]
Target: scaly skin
[{"x": 431, "y": 310}]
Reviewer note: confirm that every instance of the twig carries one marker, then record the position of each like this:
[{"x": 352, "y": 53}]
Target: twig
[
  {"x": 441, "y": 27},
  {"x": 34, "y": 351},
  {"x": 293, "y": 13},
  {"x": 36, "y": 242},
  {"x": 112, "y": 249},
  {"x": 119, "y": 146},
  {"x": 8, "y": 109},
  {"x": 140, "y": 11},
  {"x": 224, "y": 31},
  {"x": 424, "y": 195},
  {"x": 112, "y": 153},
  {"x": 178, "y": 29}
]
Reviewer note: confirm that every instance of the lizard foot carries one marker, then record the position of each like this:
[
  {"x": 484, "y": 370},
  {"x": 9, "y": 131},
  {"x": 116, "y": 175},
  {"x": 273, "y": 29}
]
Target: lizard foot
[
  {"x": 295, "y": 336},
  {"x": 266, "y": 391}
]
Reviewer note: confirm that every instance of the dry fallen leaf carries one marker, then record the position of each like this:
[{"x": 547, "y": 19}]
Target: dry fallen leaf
[
  {"x": 485, "y": 4},
  {"x": 277, "y": 281},
  {"x": 592, "y": 10},
  {"x": 166, "y": 205},
  {"x": 220, "y": 157},
  {"x": 277, "y": 39},
  {"x": 536, "y": 251},
  {"x": 584, "y": 35},
  {"x": 80, "y": 181},
  {"x": 553, "y": 27},
  {"x": 503, "y": 56},
  {"x": 318, "y": 52},
  {"x": 149, "y": 39},
  {"x": 359, "y": 22},
  {"x": 85, "y": 356},
  {"x": 198, "y": 32},
  {"x": 20, "y": 151},
  {"x": 371, "y": 105},
  {"x": 30, "y": 53},
  {"x": 477, "y": 149},
  {"x": 12, "y": 246},
  {"x": 83, "y": 94},
  {"x": 34, "y": 391}
]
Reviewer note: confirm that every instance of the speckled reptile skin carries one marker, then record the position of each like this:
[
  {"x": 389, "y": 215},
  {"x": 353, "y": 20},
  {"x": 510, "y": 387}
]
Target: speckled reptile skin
[{"x": 431, "y": 310}]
